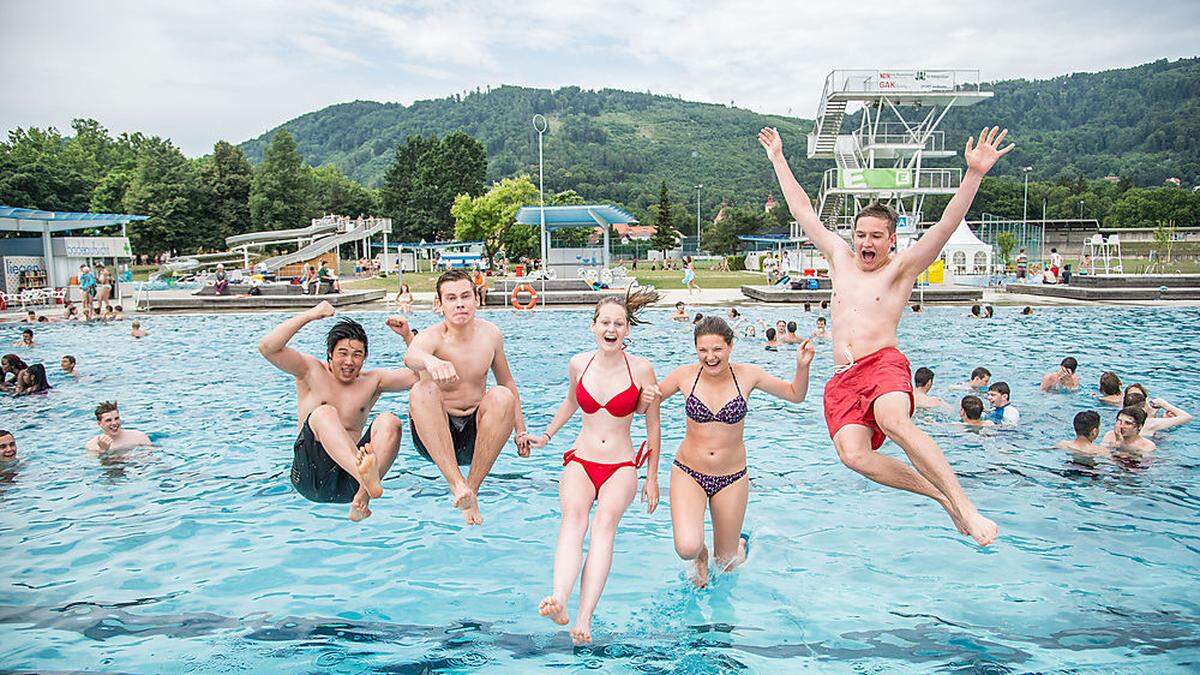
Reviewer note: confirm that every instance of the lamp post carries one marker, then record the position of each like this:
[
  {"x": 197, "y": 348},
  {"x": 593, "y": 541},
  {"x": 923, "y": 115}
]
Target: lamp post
[
  {"x": 698, "y": 188},
  {"x": 1025, "y": 203},
  {"x": 540, "y": 125},
  {"x": 1081, "y": 209}
]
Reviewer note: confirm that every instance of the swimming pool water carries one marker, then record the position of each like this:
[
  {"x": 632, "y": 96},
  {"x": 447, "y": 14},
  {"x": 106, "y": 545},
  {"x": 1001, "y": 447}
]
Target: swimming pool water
[{"x": 199, "y": 556}]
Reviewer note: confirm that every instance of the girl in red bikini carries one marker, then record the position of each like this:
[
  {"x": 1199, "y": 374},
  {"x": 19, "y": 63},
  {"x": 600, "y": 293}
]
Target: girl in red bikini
[
  {"x": 710, "y": 465},
  {"x": 601, "y": 466}
]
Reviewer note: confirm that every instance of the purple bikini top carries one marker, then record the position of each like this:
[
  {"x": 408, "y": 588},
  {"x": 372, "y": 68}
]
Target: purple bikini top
[{"x": 731, "y": 413}]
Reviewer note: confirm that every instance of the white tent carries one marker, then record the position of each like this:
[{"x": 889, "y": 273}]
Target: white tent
[{"x": 967, "y": 254}]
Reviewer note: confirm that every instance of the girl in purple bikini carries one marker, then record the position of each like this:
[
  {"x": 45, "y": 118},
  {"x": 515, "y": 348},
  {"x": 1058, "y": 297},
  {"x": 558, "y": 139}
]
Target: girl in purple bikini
[{"x": 710, "y": 465}]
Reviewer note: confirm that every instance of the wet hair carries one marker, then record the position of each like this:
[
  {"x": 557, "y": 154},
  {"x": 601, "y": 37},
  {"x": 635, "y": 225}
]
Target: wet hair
[
  {"x": 679, "y": 305},
  {"x": 1086, "y": 422},
  {"x": 734, "y": 312},
  {"x": 916, "y": 308},
  {"x": 1027, "y": 310},
  {"x": 1110, "y": 384},
  {"x": 449, "y": 277},
  {"x": 975, "y": 310},
  {"x": 135, "y": 324},
  {"x": 632, "y": 303},
  {"x": 972, "y": 406},
  {"x": 345, "y": 329},
  {"x": 38, "y": 372},
  {"x": 714, "y": 325},
  {"x": 1139, "y": 387},
  {"x": 697, "y": 318},
  {"x": 6, "y": 432},
  {"x": 1136, "y": 412},
  {"x": 1000, "y": 388},
  {"x": 824, "y": 304},
  {"x": 1134, "y": 398},
  {"x": 980, "y": 372},
  {"x": 119, "y": 308},
  {"x": 771, "y": 334},
  {"x": 877, "y": 210},
  {"x": 43, "y": 319},
  {"x": 820, "y": 319},
  {"x": 791, "y": 326},
  {"x": 14, "y": 362},
  {"x": 27, "y": 331},
  {"x": 31, "y": 313},
  {"x": 104, "y": 408},
  {"x": 1070, "y": 363},
  {"x": 923, "y": 376},
  {"x": 988, "y": 311},
  {"x": 808, "y": 306},
  {"x": 70, "y": 358}
]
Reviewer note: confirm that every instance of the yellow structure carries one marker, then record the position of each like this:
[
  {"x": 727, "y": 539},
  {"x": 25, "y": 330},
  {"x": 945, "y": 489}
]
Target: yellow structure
[{"x": 935, "y": 274}]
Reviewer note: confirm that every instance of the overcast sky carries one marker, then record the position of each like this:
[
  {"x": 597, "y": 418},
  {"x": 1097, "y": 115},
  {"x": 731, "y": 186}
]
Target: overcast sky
[{"x": 200, "y": 71}]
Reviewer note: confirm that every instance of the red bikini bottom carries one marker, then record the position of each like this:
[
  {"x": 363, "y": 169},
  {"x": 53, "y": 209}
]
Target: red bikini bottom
[{"x": 600, "y": 472}]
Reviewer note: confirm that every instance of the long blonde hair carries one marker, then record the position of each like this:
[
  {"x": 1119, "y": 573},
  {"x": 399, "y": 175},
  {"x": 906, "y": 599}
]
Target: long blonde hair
[{"x": 632, "y": 303}]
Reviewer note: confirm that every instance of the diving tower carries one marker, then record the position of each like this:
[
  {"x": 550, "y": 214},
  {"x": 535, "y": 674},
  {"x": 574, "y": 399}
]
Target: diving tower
[{"x": 885, "y": 158}]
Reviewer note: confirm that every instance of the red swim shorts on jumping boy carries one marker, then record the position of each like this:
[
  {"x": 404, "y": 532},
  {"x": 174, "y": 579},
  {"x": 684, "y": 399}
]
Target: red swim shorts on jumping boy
[{"x": 850, "y": 394}]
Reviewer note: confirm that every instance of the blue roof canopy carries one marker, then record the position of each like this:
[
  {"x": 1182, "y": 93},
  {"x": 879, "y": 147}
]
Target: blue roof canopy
[
  {"x": 14, "y": 219},
  {"x": 584, "y": 215}
]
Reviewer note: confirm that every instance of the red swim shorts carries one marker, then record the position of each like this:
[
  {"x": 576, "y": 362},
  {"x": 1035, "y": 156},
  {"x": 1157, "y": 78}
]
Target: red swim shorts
[{"x": 850, "y": 395}]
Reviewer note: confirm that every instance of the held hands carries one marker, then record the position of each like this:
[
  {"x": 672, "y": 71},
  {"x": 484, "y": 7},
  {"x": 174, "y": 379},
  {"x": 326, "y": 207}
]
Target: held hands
[
  {"x": 650, "y": 395},
  {"x": 771, "y": 141},
  {"x": 539, "y": 441},
  {"x": 523, "y": 442},
  {"x": 650, "y": 493},
  {"x": 981, "y": 157},
  {"x": 322, "y": 311},
  {"x": 805, "y": 353},
  {"x": 441, "y": 371}
]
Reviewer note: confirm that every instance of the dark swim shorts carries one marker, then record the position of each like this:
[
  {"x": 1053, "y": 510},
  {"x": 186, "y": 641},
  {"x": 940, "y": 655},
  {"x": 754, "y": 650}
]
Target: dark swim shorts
[
  {"x": 462, "y": 433},
  {"x": 316, "y": 476}
]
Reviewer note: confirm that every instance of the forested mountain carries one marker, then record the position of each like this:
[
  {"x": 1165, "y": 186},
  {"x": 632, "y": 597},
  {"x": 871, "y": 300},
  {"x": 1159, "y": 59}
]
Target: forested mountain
[{"x": 1140, "y": 123}]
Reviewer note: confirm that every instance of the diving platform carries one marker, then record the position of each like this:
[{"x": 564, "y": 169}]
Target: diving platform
[{"x": 930, "y": 295}]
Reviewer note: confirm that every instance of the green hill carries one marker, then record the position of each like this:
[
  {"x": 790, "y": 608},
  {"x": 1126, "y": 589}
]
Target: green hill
[{"x": 1141, "y": 123}]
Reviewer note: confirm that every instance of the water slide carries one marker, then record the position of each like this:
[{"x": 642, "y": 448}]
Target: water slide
[
  {"x": 280, "y": 236},
  {"x": 319, "y": 246}
]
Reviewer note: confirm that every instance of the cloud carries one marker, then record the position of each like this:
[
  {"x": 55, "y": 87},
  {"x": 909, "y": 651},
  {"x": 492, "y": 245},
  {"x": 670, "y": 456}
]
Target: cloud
[{"x": 200, "y": 72}]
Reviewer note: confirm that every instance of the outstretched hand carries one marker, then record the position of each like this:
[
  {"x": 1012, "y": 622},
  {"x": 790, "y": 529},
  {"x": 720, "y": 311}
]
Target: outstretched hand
[
  {"x": 771, "y": 141},
  {"x": 981, "y": 157}
]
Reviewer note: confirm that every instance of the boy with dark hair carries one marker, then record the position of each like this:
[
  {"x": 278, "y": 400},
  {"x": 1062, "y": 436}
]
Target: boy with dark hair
[
  {"x": 1110, "y": 388},
  {"x": 335, "y": 398},
  {"x": 1003, "y": 412},
  {"x": 1087, "y": 429},
  {"x": 67, "y": 363},
  {"x": 978, "y": 381},
  {"x": 456, "y": 420},
  {"x": 1064, "y": 378},
  {"x": 870, "y": 396},
  {"x": 112, "y": 436},
  {"x": 8, "y": 446},
  {"x": 1126, "y": 435},
  {"x": 922, "y": 383},
  {"x": 970, "y": 411}
]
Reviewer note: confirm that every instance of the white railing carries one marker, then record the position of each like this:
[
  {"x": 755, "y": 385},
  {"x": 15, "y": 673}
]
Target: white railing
[
  {"x": 902, "y": 80},
  {"x": 897, "y": 134}
]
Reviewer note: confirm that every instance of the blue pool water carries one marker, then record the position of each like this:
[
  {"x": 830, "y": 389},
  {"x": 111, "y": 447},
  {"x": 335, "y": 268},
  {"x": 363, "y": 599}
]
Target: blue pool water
[{"x": 199, "y": 556}]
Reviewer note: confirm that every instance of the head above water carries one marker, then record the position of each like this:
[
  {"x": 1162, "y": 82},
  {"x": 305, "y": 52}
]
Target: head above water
[
  {"x": 874, "y": 235},
  {"x": 980, "y": 376},
  {"x": 998, "y": 394},
  {"x": 821, "y": 321},
  {"x": 975, "y": 310},
  {"x": 1087, "y": 424},
  {"x": 614, "y": 316},
  {"x": 1110, "y": 383},
  {"x": 1138, "y": 387},
  {"x": 923, "y": 376},
  {"x": 771, "y": 333},
  {"x": 1069, "y": 364},
  {"x": 11, "y": 363},
  {"x": 1134, "y": 397},
  {"x": 108, "y": 417},
  {"x": 971, "y": 407},
  {"x": 1130, "y": 421},
  {"x": 8, "y": 446}
]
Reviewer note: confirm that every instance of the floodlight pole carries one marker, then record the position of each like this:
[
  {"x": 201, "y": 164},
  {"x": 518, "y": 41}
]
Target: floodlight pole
[
  {"x": 698, "y": 188},
  {"x": 1025, "y": 201},
  {"x": 540, "y": 125}
]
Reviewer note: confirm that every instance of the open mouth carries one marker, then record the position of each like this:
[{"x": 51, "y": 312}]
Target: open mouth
[
  {"x": 867, "y": 256},
  {"x": 712, "y": 363},
  {"x": 611, "y": 339},
  {"x": 8, "y": 454}
]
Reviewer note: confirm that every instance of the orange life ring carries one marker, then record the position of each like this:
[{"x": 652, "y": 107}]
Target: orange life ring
[{"x": 524, "y": 306}]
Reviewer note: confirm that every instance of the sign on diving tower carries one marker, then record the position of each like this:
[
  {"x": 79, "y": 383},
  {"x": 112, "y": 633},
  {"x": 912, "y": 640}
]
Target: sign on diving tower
[{"x": 885, "y": 159}]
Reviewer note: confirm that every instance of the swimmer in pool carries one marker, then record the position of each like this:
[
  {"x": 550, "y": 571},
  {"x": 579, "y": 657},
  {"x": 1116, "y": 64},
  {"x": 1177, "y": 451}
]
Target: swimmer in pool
[
  {"x": 870, "y": 396},
  {"x": 1110, "y": 389},
  {"x": 710, "y": 465},
  {"x": 978, "y": 381},
  {"x": 821, "y": 332},
  {"x": 772, "y": 344},
  {"x": 922, "y": 383},
  {"x": 1087, "y": 430},
  {"x": 789, "y": 336},
  {"x": 334, "y": 399},
  {"x": 113, "y": 437},
  {"x": 970, "y": 411},
  {"x": 680, "y": 314},
  {"x": 1064, "y": 378},
  {"x": 601, "y": 466},
  {"x": 8, "y": 446},
  {"x": 456, "y": 420},
  {"x": 135, "y": 330},
  {"x": 1171, "y": 416},
  {"x": 26, "y": 339},
  {"x": 1126, "y": 436},
  {"x": 67, "y": 363}
]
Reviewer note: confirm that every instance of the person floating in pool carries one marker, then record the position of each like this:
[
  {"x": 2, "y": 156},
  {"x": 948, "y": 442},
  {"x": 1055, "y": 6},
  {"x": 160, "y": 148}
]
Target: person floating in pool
[
  {"x": 456, "y": 420},
  {"x": 1126, "y": 436},
  {"x": 970, "y": 411},
  {"x": 923, "y": 382},
  {"x": 978, "y": 381},
  {"x": 601, "y": 466},
  {"x": 870, "y": 396},
  {"x": 1087, "y": 429},
  {"x": 113, "y": 437},
  {"x": 1063, "y": 378},
  {"x": 1110, "y": 389},
  {"x": 334, "y": 400},
  {"x": 710, "y": 466}
]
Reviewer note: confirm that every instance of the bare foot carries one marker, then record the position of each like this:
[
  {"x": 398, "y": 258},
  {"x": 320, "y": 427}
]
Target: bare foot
[
  {"x": 581, "y": 634},
  {"x": 359, "y": 507},
  {"x": 701, "y": 574},
  {"x": 554, "y": 610},
  {"x": 472, "y": 516},
  {"x": 368, "y": 471},
  {"x": 955, "y": 516},
  {"x": 982, "y": 530},
  {"x": 462, "y": 496}
]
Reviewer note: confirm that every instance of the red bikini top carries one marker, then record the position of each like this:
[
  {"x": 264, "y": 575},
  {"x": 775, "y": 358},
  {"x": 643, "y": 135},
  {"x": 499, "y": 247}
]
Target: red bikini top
[{"x": 623, "y": 404}]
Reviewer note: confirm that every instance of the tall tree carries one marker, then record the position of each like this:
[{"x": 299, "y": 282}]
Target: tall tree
[
  {"x": 334, "y": 193},
  {"x": 425, "y": 177},
  {"x": 36, "y": 172},
  {"x": 281, "y": 190},
  {"x": 666, "y": 237},
  {"x": 491, "y": 218},
  {"x": 227, "y": 177},
  {"x": 722, "y": 237},
  {"x": 164, "y": 187}
]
